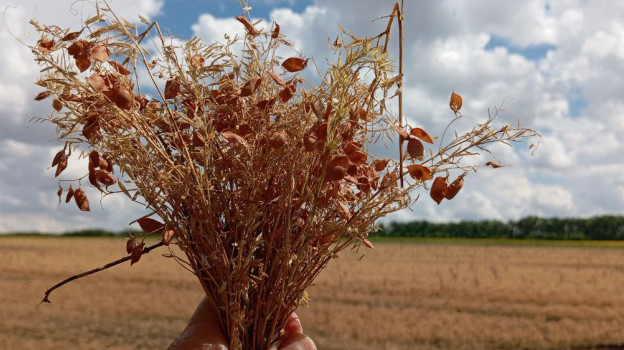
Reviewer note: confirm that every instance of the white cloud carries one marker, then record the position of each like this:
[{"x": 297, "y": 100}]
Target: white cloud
[{"x": 575, "y": 171}]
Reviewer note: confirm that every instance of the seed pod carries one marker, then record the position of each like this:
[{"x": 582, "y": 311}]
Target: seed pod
[
  {"x": 124, "y": 98},
  {"x": 70, "y": 194},
  {"x": 337, "y": 168},
  {"x": 105, "y": 177},
  {"x": 150, "y": 225},
  {"x": 62, "y": 165},
  {"x": 130, "y": 245},
  {"x": 81, "y": 200},
  {"x": 102, "y": 163},
  {"x": 172, "y": 88},
  {"x": 277, "y": 140},
  {"x": 310, "y": 141},
  {"x": 419, "y": 172},
  {"x": 454, "y": 187},
  {"x": 456, "y": 102},
  {"x": 57, "y": 157},
  {"x": 380, "y": 164},
  {"x": 438, "y": 189},
  {"x": 57, "y": 105},
  {"x": 250, "y": 87},
  {"x": 100, "y": 53},
  {"x": 294, "y": 64},
  {"x": 136, "y": 253},
  {"x": 415, "y": 149},
  {"x": 168, "y": 236},
  {"x": 94, "y": 159}
]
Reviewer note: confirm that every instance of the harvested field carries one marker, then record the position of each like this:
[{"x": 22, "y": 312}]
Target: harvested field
[{"x": 400, "y": 296}]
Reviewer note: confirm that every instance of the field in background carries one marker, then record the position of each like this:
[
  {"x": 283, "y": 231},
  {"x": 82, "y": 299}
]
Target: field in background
[{"x": 422, "y": 295}]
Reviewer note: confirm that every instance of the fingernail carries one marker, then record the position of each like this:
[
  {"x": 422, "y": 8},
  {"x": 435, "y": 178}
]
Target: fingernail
[{"x": 293, "y": 325}]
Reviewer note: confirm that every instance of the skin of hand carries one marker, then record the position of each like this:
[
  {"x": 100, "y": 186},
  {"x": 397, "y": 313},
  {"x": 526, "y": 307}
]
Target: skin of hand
[{"x": 203, "y": 333}]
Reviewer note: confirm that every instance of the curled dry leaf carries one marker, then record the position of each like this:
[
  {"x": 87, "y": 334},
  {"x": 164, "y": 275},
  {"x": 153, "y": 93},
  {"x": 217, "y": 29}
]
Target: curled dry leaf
[
  {"x": 167, "y": 236},
  {"x": 71, "y": 36},
  {"x": 403, "y": 135},
  {"x": 415, "y": 149},
  {"x": 454, "y": 187},
  {"x": 456, "y": 102},
  {"x": 150, "y": 225},
  {"x": 438, "y": 189},
  {"x": 276, "y": 31},
  {"x": 137, "y": 252},
  {"x": 81, "y": 200},
  {"x": 295, "y": 64},
  {"x": 70, "y": 194},
  {"x": 59, "y": 193},
  {"x": 493, "y": 165},
  {"x": 421, "y": 134},
  {"x": 46, "y": 46},
  {"x": 251, "y": 30},
  {"x": 172, "y": 88},
  {"x": 420, "y": 172},
  {"x": 100, "y": 53}
]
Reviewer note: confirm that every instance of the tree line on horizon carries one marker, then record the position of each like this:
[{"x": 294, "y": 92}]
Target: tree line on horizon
[{"x": 606, "y": 227}]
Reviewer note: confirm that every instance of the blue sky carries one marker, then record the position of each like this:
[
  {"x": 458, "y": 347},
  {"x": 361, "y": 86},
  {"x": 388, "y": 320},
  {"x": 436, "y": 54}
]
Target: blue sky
[{"x": 555, "y": 65}]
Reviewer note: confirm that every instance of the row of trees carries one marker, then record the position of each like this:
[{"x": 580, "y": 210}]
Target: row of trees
[{"x": 597, "y": 228}]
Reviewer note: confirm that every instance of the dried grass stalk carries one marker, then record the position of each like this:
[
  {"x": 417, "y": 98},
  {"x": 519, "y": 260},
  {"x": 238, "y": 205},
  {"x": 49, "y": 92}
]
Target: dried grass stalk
[{"x": 259, "y": 177}]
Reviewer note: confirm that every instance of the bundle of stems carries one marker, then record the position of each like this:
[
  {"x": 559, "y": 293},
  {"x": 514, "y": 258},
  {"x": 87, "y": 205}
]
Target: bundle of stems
[{"x": 259, "y": 177}]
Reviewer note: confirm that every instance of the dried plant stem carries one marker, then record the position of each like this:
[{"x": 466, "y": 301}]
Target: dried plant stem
[
  {"x": 96, "y": 270},
  {"x": 400, "y": 20}
]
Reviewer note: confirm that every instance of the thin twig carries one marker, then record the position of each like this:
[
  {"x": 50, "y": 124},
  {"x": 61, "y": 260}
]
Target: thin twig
[{"x": 90, "y": 272}]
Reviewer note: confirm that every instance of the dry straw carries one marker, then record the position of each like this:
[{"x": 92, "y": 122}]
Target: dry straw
[{"x": 257, "y": 176}]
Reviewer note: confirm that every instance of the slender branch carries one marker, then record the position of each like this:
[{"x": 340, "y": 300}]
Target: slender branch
[
  {"x": 400, "y": 20},
  {"x": 90, "y": 272}
]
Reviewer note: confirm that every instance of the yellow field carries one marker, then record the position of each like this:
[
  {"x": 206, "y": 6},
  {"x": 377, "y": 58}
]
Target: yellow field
[{"x": 400, "y": 296}]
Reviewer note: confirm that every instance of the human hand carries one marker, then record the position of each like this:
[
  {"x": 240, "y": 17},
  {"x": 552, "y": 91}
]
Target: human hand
[{"x": 203, "y": 333}]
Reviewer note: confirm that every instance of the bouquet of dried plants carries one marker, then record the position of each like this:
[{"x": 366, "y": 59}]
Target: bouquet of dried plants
[{"x": 257, "y": 176}]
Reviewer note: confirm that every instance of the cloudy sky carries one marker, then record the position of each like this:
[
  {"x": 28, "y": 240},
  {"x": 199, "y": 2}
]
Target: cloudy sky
[{"x": 556, "y": 65}]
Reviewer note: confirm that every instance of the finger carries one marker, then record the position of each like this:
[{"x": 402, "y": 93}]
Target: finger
[
  {"x": 297, "y": 341},
  {"x": 293, "y": 324},
  {"x": 202, "y": 332}
]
